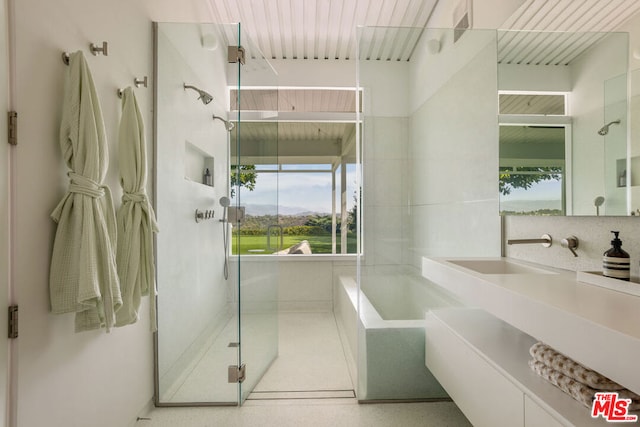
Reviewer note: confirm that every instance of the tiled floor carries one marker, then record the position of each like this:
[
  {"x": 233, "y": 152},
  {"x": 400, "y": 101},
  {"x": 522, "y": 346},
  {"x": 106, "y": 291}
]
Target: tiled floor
[
  {"x": 311, "y": 358},
  {"x": 310, "y": 413}
]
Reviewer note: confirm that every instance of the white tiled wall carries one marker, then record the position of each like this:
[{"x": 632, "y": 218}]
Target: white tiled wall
[{"x": 453, "y": 145}]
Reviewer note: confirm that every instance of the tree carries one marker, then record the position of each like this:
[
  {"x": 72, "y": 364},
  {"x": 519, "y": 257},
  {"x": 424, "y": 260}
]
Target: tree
[
  {"x": 323, "y": 221},
  {"x": 511, "y": 179},
  {"x": 243, "y": 176},
  {"x": 352, "y": 218}
]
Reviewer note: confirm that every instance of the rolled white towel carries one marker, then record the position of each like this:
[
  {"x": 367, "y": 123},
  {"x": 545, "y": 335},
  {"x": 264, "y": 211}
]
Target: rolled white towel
[
  {"x": 579, "y": 391},
  {"x": 572, "y": 369}
]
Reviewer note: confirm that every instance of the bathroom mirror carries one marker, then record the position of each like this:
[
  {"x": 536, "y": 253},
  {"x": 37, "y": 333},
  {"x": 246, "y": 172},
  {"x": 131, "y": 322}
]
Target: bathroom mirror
[{"x": 563, "y": 124}]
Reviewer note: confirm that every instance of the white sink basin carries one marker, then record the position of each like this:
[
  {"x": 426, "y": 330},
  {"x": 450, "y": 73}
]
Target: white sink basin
[{"x": 499, "y": 266}]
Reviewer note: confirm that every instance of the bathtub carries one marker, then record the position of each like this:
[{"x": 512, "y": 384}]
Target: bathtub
[{"x": 391, "y": 360}]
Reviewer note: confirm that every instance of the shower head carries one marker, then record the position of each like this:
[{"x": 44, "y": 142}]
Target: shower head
[
  {"x": 224, "y": 201},
  {"x": 227, "y": 124},
  {"x": 605, "y": 129},
  {"x": 205, "y": 97}
]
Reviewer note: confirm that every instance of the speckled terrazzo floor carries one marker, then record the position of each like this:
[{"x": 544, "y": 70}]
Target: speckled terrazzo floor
[{"x": 310, "y": 413}]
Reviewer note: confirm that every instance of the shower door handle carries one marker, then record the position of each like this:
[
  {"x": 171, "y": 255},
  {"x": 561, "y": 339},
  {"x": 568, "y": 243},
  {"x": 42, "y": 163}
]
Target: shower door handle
[{"x": 269, "y": 232}]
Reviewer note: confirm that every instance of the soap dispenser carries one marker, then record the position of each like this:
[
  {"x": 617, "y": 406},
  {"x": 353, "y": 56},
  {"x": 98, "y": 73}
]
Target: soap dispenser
[
  {"x": 207, "y": 179},
  {"x": 616, "y": 262}
]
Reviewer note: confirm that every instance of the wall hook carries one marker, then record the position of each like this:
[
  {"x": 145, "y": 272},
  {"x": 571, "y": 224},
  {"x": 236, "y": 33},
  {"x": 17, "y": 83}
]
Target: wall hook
[
  {"x": 66, "y": 57},
  {"x": 140, "y": 82},
  {"x": 120, "y": 93},
  {"x": 95, "y": 49}
]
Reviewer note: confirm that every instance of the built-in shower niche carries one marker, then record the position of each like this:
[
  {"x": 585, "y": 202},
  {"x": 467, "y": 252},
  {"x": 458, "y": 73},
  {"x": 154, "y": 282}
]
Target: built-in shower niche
[{"x": 196, "y": 162}]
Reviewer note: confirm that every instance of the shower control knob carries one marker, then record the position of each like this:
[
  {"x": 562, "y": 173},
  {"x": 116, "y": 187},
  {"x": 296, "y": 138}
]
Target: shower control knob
[{"x": 199, "y": 215}]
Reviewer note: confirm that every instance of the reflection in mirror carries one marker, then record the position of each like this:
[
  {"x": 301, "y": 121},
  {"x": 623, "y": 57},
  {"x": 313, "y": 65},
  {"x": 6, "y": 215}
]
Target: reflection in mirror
[
  {"x": 532, "y": 170},
  {"x": 571, "y": 84}
]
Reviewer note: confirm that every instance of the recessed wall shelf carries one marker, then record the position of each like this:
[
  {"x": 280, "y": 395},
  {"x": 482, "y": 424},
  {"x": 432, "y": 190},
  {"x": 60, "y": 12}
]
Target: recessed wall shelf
[{"x": 196, "y": 161}]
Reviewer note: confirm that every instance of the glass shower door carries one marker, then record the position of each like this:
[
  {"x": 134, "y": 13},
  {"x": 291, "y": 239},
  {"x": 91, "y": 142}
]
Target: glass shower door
[
  {"x": 216, "y": 310},
  {"x": 255, "y": 147}
]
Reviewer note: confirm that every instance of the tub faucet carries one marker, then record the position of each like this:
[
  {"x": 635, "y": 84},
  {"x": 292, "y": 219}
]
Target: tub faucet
[{"x": 545, "y": 240}]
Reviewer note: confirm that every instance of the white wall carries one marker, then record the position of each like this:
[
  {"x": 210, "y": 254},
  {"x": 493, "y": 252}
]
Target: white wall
[
  {"x": 534, "y": 78},
  {"x": 454, "y": 145},
  {"x": 385, "y": 135},
  {"x": 485, "y": 13},
  {"x": 68, "y": 379}
]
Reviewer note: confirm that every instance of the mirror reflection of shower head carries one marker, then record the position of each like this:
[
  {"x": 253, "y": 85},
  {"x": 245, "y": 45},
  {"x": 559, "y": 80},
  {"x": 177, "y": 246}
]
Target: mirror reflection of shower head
[
  {"x": 205, "y": 97},
  {"x": 598, "y": 201},
  {"x": 227, "y": 124},
  {"x": 605, "y": 129}
]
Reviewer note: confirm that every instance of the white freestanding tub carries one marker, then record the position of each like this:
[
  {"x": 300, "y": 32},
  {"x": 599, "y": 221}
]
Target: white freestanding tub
[{"x": 387, "y": 337}]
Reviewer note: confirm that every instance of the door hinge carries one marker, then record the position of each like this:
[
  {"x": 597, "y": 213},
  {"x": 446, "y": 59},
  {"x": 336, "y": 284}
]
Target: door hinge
[
  {"x": 13, "y": 321},
  {"x": 12, "y": 125},
  {"x": 235, "y": 54},
  {"x": 237, "y": 373}
]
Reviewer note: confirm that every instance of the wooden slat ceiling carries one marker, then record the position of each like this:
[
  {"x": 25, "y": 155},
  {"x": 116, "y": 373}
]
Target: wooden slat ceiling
[
  {"x": 562, "y": 22},
  {"x": 295, "y": 131},
  {"x": 325, "y": 29},
  {"x": 552, "y": 105},
  {"x": 296, "y": 100}
]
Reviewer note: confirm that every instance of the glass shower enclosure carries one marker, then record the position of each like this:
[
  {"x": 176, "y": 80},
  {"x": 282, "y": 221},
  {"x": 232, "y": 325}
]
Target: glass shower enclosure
[{"x": 217, "y": 315}]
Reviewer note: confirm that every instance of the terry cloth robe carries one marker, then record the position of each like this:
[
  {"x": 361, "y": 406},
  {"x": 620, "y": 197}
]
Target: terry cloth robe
[
  {"x": 135, "y": 217},
  {"x": 83, "y": 277}
]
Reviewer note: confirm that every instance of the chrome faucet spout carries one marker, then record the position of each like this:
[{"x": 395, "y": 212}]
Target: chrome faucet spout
[{"x": 545, "y": 240}]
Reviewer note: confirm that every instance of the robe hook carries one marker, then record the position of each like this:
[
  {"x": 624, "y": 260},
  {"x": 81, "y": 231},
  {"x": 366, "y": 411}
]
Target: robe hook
[
  {"x": 65, "y": 58},
  {"x": 95, "y": 49},
  {"x": 140, "y": 82}
]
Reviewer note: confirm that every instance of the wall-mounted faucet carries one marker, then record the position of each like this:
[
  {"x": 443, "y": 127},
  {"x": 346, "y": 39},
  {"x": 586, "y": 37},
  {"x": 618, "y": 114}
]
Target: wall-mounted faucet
[
  {"x": 570, "y": 243},
  {"x": 545, "y": 240}
]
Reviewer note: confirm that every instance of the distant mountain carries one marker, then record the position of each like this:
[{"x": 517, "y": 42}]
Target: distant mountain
[
  {"x": 529, "y": 205},
  {"x": 259, "y": 210}
]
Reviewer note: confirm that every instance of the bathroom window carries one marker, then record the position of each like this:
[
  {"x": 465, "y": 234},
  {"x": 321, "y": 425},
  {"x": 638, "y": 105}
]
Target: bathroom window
[
  {"x": 304, "y": 211},
  {"x": 299, "y": 146}
]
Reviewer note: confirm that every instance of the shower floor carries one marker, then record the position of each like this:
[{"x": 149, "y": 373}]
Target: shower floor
[{"x": 311, "y": 364}]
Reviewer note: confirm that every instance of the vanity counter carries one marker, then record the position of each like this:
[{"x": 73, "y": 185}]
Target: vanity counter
[{"x": 595, "y": 326}]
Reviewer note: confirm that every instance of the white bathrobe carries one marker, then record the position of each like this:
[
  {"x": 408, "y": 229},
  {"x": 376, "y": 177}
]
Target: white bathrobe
[
  {"x": 135, "y": 217},
  {"x": 83, "y": 276}
]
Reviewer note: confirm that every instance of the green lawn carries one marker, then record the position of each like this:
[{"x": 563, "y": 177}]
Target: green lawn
[{"x": 256, "y": 245}]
